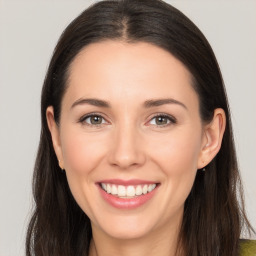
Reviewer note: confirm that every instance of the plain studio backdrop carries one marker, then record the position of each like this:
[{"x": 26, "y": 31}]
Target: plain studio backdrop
[{"x": 29, "y": 31}]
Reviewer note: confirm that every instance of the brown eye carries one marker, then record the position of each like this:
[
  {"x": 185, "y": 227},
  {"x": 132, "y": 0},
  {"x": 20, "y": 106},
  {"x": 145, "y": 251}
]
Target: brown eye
[
  {"x": 93, "y": 120},
  {"x": 162, "y": 120}
]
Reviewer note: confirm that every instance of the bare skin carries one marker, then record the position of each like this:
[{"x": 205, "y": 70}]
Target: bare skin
[{"x": 143, "y": 123}]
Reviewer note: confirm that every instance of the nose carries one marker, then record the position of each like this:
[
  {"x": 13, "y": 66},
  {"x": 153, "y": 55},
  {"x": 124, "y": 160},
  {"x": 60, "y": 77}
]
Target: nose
[{"x": 127, "y": 148}]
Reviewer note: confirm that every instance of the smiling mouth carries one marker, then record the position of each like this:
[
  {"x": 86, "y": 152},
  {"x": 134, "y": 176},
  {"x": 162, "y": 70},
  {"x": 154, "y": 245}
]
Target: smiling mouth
[{"x": 129, "y": 191}]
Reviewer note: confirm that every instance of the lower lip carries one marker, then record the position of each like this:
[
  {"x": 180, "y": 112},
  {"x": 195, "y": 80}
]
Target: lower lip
[{"x": 127, "y": 203}]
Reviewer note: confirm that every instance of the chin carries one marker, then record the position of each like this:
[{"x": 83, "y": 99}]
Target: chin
[
  {"x": 126, "y": 227},
  {"x": 127, "y": 233}
]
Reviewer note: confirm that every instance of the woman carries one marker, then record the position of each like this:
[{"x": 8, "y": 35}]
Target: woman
[{"x": 136, "y": 155}]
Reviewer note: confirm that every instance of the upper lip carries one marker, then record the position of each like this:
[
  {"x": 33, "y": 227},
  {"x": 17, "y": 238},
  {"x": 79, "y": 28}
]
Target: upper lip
[{"x": 127, "y": 182}]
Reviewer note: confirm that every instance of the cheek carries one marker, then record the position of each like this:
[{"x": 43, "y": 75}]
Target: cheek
[
  {"x": 80, "y": 152},
  {"x": 178, "y": 152},
  {"x": 177, "y": 157}
]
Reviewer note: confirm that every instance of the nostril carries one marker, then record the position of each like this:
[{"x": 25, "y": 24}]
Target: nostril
[{"x": 126, "y": 162}]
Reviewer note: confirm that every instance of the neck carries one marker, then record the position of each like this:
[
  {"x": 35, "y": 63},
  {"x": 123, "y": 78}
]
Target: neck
[{"x": 162, "y": 242}]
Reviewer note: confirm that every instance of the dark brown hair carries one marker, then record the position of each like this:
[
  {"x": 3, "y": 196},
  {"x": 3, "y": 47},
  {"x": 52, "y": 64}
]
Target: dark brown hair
[{"x": 214, "y": 210}]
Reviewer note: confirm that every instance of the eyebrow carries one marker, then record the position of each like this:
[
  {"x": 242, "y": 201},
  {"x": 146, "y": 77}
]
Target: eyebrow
[
  {"x": 94, "y": 102},
  {"x": 160, "y": 102},
  {"x": 146, "y": 104}
]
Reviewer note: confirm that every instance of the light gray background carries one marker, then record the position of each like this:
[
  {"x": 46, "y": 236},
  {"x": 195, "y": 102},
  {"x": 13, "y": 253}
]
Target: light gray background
[{"x": 28, "y": 33}]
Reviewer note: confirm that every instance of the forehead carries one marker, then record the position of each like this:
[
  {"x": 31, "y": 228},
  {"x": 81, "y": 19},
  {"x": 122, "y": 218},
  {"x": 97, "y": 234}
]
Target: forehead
[{"x": 120, "y": 70}]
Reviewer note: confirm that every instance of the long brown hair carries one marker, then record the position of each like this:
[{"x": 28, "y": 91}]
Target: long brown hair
[{"x": 214, "y": 210}]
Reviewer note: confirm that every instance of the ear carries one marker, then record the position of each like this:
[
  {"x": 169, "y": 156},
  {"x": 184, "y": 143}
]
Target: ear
[
  {"x": 55, "y": 133},
  {"x": 212, "y": 138}
]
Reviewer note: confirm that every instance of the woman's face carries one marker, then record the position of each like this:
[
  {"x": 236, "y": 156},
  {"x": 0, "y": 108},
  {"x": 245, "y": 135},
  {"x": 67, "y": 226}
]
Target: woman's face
[{"x": 130, "y": 137}]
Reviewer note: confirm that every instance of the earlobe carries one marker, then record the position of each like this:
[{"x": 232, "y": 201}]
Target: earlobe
[
  {"x": 54, "y": 130},
  {"x": 213, "y": 135}
]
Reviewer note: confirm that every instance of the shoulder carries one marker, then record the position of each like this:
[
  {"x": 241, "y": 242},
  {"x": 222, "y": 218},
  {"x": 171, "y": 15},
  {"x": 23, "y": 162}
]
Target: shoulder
[{"x": 247, "y": 247}]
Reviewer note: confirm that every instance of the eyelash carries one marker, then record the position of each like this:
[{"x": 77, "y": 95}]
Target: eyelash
[
  {"x": 83, "y": 118},
  {"x": 172, "y": 120}
]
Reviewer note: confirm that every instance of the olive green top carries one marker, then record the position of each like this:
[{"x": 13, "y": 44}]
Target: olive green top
[{"x": 247, "y": 247}]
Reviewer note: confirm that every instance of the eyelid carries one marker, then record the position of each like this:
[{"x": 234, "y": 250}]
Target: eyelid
[
  {"x": 84, "y": 117},
  {"x": 171, "y": 118}
]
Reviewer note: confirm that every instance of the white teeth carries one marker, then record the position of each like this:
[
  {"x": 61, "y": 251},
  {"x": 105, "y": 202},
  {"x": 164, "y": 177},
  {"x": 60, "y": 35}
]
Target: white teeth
[
  {"x": 145, "y": 189},
  {"x": 114, "y": 190},
  {"x": 121, "y": 191},
  {"x": 129, "y": 191},
  {"x": 104, "y": 186},
  {"x": 109, "y": 188},
  {"x": 138, "y": 191},
  {"x": 151, "y": 187}
]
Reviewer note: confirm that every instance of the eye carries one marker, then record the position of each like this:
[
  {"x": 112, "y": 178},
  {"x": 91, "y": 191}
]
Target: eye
[
  {"x": 162, "y": 120},
  {"x": 93, "y": 120}
]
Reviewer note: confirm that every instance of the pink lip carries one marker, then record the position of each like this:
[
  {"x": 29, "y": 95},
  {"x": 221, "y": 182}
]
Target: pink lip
[
  {"x": 132, "y": 182},
  {"x": 126, "y": 203}
]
